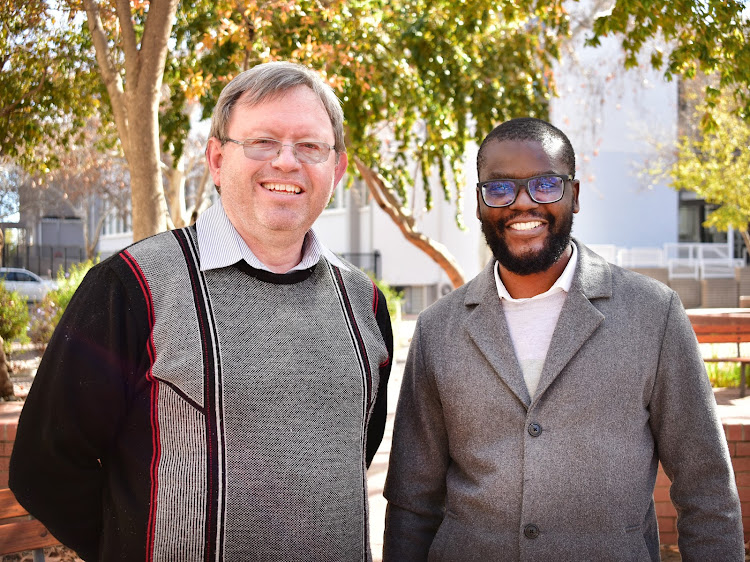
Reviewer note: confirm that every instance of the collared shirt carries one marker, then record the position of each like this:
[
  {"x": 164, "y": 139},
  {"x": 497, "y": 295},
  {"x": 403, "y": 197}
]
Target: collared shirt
[
  {"x": 562, "y": 283},
  {"x": 531, "y": 321},
  {"x": 220, "y": 244}
]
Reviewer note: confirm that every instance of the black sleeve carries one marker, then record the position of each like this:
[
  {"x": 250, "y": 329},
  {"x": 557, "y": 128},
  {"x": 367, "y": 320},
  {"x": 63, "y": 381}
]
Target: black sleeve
[
  {"x": 376, "y": 427},
  {"x": 75, "y": 407}
]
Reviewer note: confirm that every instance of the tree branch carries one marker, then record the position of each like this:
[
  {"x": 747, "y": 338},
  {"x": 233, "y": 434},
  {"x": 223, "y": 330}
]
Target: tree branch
[
  {"x": 108, "y": 72},
  {"x": 387, "y": 201},
  {"x": 154, "y": 43},
  {"x": 129, "y": 45},
  {"x": 8, "y": 109}
]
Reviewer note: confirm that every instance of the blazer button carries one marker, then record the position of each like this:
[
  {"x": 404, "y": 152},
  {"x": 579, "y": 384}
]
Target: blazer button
[
  {"x": 535, "y": 430},
  {"x": 531, "y": 531}
]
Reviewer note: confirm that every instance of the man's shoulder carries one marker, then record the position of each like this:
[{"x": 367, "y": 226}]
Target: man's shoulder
[
  {"x": 158, "y": 245},
  {"x": 598, "y": 277},
  {"x": 638, "y": 284},
  {"x": 450, "y": 305}
]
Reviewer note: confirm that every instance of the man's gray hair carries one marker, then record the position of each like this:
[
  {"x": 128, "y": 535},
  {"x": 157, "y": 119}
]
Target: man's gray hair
[{"x": 271, "y": 80}]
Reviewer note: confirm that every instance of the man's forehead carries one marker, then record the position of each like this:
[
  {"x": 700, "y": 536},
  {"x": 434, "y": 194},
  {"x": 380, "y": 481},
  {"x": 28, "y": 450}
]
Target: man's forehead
[{"x": 509, "y": 157}]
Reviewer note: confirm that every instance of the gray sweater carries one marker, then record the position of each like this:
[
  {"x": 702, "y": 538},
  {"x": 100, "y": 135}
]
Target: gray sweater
[{"x": 220, "y": 415}]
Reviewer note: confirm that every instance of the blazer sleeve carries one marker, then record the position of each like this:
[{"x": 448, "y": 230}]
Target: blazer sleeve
[
  {"x": 74, "y": 408},
  {"x": 376, "y": 427},
  {"x": 692, "y": 448},
  {"x": 415, "y": 484}
]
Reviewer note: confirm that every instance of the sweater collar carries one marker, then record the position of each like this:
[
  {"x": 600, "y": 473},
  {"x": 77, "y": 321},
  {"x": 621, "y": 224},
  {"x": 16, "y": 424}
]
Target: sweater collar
[{"x": 220, "y": 245}]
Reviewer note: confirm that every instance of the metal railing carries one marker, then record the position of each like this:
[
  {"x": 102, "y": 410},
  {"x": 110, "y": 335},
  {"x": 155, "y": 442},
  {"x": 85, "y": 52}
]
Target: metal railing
[
  {"x": 42, "y": 260},
  {"x": 366, "y": 261}
]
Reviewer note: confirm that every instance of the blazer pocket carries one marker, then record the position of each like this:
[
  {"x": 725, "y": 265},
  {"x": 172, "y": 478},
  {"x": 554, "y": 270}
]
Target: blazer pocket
[{"x": 637, "y": 544}]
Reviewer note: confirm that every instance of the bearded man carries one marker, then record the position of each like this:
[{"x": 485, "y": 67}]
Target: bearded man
[{"x": 539, "y": 398}]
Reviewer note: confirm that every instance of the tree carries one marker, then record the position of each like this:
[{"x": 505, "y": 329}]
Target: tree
[
  {"x": 92, "y": 182},
  {"x": 704, "y": 36},
  {"x": 131, "y": 42},
  {"x": 417, "y": 79},
  {"x": 187, "y": 178},
  {"x": 715, "y": 165},
  {"x": 44, "y": 74}
]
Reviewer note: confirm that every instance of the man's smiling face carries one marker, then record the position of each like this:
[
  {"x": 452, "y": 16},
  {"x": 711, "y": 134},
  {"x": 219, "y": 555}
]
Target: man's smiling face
[
  {"x": 280, "y": 195},
  {"x": 526, "y": 237}
]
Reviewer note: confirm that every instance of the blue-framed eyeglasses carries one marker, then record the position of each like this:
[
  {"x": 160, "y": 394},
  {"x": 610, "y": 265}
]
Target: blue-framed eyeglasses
[
  {"x": 547, "y": 188},
  {"x": 263, "y": 150}
]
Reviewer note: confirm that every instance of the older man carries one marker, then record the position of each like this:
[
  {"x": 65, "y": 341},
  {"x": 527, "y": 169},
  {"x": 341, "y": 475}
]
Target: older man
[
  {"x": 539, "y": 398},
  {"x": 216, "y": 392}
]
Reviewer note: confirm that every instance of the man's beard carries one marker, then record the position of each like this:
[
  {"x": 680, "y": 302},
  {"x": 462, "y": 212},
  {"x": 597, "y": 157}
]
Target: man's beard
[{"x": 558, "y": 240}]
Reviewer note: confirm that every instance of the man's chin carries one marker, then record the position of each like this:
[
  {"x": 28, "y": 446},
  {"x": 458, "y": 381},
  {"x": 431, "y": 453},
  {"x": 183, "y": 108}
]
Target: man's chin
[
  {"x": 530, "y": 261},
  {"x": 527, "y": 265}
]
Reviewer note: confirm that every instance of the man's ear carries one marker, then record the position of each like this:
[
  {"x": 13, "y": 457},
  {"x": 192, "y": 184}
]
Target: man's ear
[
  {"x": 214, "y": 158},
  {"x": 479, "y": 202},
  {"x": 341, "y": 165},
  {"x": 576, "y": 188}
]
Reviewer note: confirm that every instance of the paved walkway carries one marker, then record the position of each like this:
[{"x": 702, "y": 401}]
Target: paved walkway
[{"x": 379, "y": 466}]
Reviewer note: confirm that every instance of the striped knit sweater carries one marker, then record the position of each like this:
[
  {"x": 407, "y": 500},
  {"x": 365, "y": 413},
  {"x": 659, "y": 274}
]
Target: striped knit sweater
[{"x": 220, "y": 415}]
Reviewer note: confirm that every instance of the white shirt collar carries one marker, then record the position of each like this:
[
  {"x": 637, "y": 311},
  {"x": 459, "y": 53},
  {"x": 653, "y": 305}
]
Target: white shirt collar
[
  {"x": 220, "y": 245},
  {"x": 563, "y": 283}
]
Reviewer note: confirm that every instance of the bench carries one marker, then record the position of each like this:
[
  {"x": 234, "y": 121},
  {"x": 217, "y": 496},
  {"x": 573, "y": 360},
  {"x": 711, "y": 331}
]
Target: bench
[
  {"x": 724, "y": 326},
  {"x": 19, "y": 531}
]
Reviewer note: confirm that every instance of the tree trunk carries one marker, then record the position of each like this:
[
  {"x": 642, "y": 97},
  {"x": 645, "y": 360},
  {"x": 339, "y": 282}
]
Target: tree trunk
[
  {"x": 144, "y": 161},
  {"x": 746, "y": 238},
  {"x": 176, "y": 194},
  {"x": 405, "y": 221},
  {"x": 6, "y": 386},
  {"x": 135, "y": 100}
]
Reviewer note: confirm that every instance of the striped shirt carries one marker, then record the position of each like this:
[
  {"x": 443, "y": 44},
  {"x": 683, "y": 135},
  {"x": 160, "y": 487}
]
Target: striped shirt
[{"x": 220, "y": 244}]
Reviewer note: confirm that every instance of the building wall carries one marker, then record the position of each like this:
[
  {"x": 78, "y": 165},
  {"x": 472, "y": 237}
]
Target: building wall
[
  {"x": 617, "y": 121},
  {"x": 403, "y": 264}
]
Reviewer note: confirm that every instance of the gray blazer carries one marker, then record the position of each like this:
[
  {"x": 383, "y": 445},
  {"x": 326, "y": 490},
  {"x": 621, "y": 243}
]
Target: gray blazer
[{"x": 480, "y": 470}]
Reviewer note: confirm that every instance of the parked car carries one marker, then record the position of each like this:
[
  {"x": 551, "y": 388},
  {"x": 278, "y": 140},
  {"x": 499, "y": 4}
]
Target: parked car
[{"x": 26, "y": 283}]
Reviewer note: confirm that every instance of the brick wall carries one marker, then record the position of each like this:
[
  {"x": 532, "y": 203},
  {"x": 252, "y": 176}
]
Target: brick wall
[
  {"x": 738, "y": 439},
  {"x": 7, "y": 436}
]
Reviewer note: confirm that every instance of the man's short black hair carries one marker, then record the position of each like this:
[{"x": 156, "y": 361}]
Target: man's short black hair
[{"x": 530, "y": 129}]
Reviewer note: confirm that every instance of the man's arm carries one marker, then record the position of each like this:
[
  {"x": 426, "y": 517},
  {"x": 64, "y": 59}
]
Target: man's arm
[
  {"x": 415, "y": 485},
  {"x": 376, "y": 427},
  {"x": 693, "y": 449},
  {"x": 74, "y": 409}
]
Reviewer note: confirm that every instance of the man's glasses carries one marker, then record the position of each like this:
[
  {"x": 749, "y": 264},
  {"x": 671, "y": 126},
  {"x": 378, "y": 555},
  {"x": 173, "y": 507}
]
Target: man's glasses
[
  {"x": 548, "y": 188},
  {"x": 307, "y": 152}
]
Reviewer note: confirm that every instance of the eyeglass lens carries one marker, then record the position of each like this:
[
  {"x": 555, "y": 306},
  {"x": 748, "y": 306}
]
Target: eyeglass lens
[
  {"x": 543, "y": 189},
  {"x": 307, "y": 152}
]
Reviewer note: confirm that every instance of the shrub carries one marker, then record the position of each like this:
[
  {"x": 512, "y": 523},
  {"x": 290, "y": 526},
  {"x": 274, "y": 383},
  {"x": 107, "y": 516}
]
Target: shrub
[
  {"x": 49, "y": 312},
  {"x": 43, "y": 322},
  {"x": 392, "y": 296},
  {"x": 14, "y": 316}
]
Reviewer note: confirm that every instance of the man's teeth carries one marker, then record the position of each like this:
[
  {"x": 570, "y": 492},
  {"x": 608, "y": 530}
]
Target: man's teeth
[
  {"x": 525, "y": 225},
  {"x": 283, "y": 187}
]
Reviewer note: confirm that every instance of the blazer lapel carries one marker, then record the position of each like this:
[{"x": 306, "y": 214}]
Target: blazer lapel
[
  {"x": 579, "y": 318},
  {"x": 488, "y": 329}
]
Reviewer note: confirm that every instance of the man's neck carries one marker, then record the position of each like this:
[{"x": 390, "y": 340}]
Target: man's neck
[
  {"x": 527, "y": 286},
  {"x": 279, "y": 255}
]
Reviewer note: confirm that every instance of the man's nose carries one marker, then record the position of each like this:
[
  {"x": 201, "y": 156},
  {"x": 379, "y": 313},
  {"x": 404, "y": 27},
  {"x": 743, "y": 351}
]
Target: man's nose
[
  {"x": 524, "y": 200},
  {"x": 285, "y": 159}
]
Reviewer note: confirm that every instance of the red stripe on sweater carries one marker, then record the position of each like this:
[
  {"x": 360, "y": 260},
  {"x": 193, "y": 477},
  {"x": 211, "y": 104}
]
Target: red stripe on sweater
[{"x": 156, "y": 444}]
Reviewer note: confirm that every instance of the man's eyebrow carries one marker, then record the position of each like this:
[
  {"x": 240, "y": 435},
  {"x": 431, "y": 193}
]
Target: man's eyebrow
[{"x": 500, "y": 175}]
